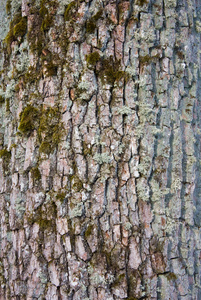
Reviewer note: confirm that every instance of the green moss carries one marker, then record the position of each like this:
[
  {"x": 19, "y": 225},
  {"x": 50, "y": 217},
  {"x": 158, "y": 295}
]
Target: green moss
[
  {"x": 41, "y": 23},
  {"x": 13, "y": 146},
  {"x": 8, "y": 7},
  {"x": 43, "y": 10},
  {"x": 49, "y": 117},
  {"x": 141, "y": 2},
  {"x": 37, "y": 46},
  {"x": 49, "y": 59},
  {"x": 44, "y": 223},
  {"x": 51, "y": 69},
  {"x": 77, "y": 184},
  {"x": 36, "y": 36},
  {"x": 32, "y": 75},
  {"x": 89, "y": 231},
  {"x": 46, "y": 23},
  {"x": 45, "y": 147},
  {"x": 147, "y": 59},
  {"x": 7, "y": 105},
  {"x": 91, "y": 26},
  {"x": 2, "y": 99},
  {"x": 50, "y": 130},
  {"x": 44, "y": 216},
  {"x": 20, "y": 28},
  {"x": 47, "y": 19},
  {"x": 91, "y": 23},
  {"x": 87, "y": 150},
  {"x": 93, "y": 58},
  {"x": 118, "y": 280},
  {"x": 5, "y": 155},
  {"x": 113, "y": 75},
  {"x": 28, "y": 119},
  {"x": 98, "y": 15},
  {"x": 17, "y": 88},
  {"x": 171, "y": 276},
  {"x": 110, "y": 70},
  {"x": 35, "y": 173},
  {"x": 70, "y": 10},
  {"x": 61, "y": 196},
  {"x": 9, "y": 39}
]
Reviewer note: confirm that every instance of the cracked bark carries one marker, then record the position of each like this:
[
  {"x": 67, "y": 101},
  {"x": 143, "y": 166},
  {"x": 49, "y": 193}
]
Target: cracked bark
[{"x": 100, "y": 150}]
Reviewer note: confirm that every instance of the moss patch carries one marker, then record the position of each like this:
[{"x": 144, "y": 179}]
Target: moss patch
[
  {"x": 50, "y": 130},
  {"x": 91, "y": 23},
  {"x": 35, "y": 173},
  {"x": 61, "y": 196},
  {"x": 90, "y": 27},
  {"x": 44, "y": 223},
  {"x": 7, "y": 105},
  {"x": 87, "y": 149},
  {"x": 51, "y": 69},
  {"x": 110, "y": 71},
  {"x": 70, "y": 11},
  {"x": 133, "y": 278},
  {"x": 46, "y": 23},
  {"x": 28, "y": 119},
  {"x": 47, "y": 20},
  {"x": 5, "y": 155},
  {"x": 32, "y": 75},
  {"x": 42, "y": 21},
  {"x": 141, "y": 2},
  {"x": 44, "y": 216},
  {"x": 93, "y": 58},
  {"x": 18, "y": 28},
  {"x": 76, "y": 183},
  {"x": 46, "y": 12},
  {"x": 49, "y": 60},
  {"x": 171, "y": 276},
  {"x": 35, "y": 35},
  {"x": 118, "y": 280},
  {"x": 147, "y": 59},
  {"x": 8, "y": 7},
  {"x": 2, "y": 99},
  {"x": 89, "y": 230}
]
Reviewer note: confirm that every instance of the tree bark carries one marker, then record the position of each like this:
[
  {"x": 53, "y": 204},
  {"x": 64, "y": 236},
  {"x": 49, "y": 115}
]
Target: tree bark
[{"x": 100, "y": 193}]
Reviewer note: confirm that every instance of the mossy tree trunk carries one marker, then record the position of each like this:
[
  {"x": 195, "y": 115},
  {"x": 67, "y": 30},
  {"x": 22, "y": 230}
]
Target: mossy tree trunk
[{"x": 100, "y": 187}]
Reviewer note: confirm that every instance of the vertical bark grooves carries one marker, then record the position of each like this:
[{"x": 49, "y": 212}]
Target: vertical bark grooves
[{"x": 100, "y": 190}]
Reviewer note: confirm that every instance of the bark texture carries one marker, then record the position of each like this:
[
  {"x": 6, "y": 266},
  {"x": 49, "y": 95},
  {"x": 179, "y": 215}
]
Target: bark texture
[{"x": 100, "y": 187}]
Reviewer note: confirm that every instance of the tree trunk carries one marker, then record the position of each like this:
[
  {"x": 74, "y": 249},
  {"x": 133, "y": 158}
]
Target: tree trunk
[{"x": 100, "y": 188}]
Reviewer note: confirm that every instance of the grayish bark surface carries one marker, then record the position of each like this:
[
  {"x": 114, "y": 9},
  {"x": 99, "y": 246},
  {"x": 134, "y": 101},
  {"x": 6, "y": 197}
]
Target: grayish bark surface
[{"x": 100, "y": 187}]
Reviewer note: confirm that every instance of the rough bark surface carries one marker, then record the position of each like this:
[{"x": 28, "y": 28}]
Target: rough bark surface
[{"x": 100, "y": 187}]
